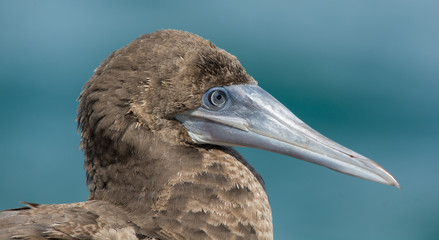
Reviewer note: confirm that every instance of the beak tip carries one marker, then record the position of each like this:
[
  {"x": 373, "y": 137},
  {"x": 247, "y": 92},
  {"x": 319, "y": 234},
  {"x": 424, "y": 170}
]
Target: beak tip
[
  {"x": 396, "y": 184},
  {"x": 392, "y": 181}
]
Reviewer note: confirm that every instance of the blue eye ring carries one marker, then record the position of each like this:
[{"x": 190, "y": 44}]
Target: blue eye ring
[{"x": 216, "y": 98}]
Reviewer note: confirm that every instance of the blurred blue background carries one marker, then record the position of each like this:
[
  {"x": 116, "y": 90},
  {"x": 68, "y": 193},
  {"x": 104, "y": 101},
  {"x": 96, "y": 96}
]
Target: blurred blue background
[{"x": 364, "y": 73}]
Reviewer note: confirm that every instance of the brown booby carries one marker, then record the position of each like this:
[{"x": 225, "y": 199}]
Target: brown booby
[{"x": 157, "y": 120}]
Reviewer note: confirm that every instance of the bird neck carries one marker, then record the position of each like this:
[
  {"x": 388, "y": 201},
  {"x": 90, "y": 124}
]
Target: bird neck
[{"x": 184, "y": 190}]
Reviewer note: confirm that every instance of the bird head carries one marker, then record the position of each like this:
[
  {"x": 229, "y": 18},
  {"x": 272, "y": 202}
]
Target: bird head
[{"x": 182, "y": 89}]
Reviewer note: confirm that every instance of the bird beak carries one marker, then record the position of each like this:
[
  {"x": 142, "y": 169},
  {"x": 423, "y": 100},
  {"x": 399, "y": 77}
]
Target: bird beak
[{"x": 251, "y": 117}]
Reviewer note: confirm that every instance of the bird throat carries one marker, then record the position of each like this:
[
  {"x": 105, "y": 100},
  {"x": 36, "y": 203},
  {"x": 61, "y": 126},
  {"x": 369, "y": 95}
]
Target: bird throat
[{"x": 210, "y": 192}]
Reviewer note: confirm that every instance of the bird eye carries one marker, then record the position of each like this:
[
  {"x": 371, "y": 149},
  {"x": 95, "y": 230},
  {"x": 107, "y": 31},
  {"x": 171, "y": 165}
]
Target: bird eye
[{"x": 215, "y": 98}]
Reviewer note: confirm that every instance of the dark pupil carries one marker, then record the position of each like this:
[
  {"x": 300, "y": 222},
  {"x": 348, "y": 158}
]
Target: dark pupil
[{"x": 217, "y": 98}]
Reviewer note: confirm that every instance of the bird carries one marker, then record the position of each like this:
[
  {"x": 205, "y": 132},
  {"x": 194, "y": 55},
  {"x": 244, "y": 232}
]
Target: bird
[{"x": 158, "y": 121}]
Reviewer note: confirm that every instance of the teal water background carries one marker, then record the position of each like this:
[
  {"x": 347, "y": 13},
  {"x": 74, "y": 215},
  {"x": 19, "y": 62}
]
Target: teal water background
[{"x": 363, "y": 73}]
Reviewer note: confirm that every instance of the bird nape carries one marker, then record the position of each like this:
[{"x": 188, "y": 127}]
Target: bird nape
[{"x": 157, "y": 120}]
